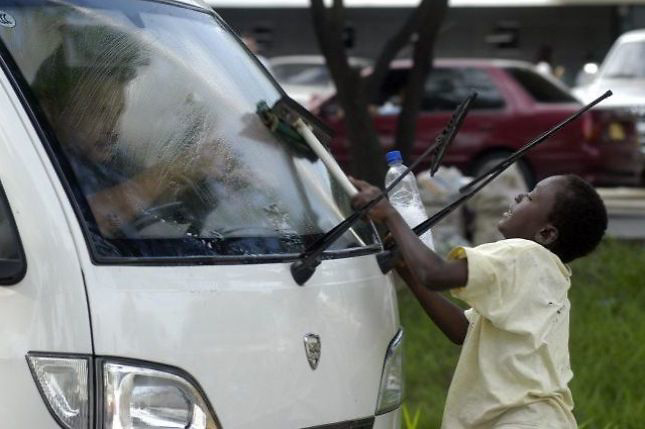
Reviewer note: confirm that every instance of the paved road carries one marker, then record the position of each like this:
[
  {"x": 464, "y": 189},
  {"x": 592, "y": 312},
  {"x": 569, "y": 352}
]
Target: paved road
[{"x": 626, "y": 208}]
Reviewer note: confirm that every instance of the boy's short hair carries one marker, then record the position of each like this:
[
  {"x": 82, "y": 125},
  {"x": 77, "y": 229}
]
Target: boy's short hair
[{"x": 580, "y": 216}]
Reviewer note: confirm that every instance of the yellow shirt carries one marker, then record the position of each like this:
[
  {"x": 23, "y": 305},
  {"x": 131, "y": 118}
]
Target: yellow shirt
[{"x": 514, "y": 367}]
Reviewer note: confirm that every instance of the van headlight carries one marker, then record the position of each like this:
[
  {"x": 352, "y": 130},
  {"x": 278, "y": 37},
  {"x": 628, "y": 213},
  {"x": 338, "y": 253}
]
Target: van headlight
[
  {"x": 391, "y": 390},
  {"x": 141, "y": 397},
  {"x": 130, "y": 394},
  {"x": 63, "y": 382}
]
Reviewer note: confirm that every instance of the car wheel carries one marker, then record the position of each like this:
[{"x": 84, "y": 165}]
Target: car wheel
[{"x": 521, "y": 170}]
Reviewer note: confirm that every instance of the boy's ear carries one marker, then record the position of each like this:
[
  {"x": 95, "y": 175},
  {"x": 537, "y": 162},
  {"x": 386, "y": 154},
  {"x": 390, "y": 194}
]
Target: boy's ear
[{"x": 547, "y": 235}]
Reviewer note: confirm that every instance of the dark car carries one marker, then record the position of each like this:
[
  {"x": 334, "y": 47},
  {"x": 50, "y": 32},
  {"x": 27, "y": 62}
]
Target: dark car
[{"x": 515, "y": 104}]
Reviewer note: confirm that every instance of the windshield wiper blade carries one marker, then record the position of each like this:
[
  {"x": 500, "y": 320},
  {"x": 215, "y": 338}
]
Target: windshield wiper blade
[
  {"x": 441, "y": 149},
  {"x": 386, "y": 259},
  {"x": 305, "y": 266}
]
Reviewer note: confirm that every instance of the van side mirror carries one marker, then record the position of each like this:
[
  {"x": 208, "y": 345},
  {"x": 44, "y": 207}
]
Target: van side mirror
[{"x": 11, "y": 271}]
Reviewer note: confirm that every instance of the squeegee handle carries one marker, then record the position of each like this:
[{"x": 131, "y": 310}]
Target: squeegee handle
[
  {"x": 305, "y": 266},
  {"x": 325, "y": 157}
]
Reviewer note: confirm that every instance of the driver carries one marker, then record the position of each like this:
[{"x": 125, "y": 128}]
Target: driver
[{"x": 84, "y": 105}]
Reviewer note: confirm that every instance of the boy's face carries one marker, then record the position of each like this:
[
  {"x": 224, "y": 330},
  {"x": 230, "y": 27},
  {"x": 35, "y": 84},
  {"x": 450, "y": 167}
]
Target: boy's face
[{"x": 528, "y": 218}]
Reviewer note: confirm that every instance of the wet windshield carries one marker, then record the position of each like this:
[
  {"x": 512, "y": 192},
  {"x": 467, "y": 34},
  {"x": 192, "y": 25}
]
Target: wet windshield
[{"x": 153, "y": 109}]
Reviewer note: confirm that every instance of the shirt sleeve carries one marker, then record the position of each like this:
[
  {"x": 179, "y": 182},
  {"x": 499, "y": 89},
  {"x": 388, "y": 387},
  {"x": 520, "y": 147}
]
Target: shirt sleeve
[{"x": 491, "y": 288}]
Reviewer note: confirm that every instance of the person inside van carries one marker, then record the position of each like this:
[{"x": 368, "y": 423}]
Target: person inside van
[
  {"x": 514, "y": 370},
  {"x": 83, "y": 101}
]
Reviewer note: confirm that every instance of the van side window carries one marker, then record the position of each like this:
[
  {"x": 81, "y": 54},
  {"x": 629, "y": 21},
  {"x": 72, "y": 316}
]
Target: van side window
[
  {"x": 540, "y": 88},
  {"x": 12, "y": 263}
]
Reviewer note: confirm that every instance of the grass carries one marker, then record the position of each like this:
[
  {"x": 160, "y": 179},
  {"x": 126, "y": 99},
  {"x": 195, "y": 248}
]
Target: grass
[{"x": 607, "y": 344}]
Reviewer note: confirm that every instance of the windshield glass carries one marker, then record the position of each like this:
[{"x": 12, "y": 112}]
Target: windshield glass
[
  {"x": 153, "y": 110},
  {"x": 627, "y": 61}
]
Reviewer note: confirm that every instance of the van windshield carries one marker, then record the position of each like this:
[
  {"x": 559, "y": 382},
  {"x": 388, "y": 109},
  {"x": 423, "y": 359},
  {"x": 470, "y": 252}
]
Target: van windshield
[{"x": 151, "y": 113}]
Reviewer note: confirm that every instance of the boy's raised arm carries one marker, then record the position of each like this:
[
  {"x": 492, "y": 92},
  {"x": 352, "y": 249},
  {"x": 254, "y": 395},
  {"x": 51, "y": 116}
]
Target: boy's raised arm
[{"x": 448, "y": 317}]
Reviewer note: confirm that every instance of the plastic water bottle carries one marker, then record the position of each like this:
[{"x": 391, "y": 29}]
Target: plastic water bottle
[{"x": 405, "y": 197}]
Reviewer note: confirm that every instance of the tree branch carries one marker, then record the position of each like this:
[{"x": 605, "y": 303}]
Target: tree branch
[
  {"x": 339, "y": 11},
  {"x": 354, "y": 93},
  {"x": 329, "y": 31},
  {"x": 321, "y": 23},
  {"x": 392, "y": 47},
  {"x": 414, "y": 91}
]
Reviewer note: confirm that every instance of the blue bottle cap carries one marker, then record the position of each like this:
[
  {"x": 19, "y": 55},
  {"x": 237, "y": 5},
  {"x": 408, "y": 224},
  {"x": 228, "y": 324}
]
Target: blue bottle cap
[{"x": 393, "y": 156}]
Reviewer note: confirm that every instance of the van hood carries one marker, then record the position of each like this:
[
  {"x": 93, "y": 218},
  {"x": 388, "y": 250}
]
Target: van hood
[{"x": 239, "y": 331}]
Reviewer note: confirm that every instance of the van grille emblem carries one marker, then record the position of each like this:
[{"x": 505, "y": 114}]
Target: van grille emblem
[{"x": 312, "y": 349}]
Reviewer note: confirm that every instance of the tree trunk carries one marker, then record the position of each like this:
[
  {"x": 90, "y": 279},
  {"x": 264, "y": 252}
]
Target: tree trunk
[
  {"x": 414, "y": 91},
  {"x": 355, "y": 93},
  {"x": 368, "y": 162},
  {"x": 365, "y": 149}
]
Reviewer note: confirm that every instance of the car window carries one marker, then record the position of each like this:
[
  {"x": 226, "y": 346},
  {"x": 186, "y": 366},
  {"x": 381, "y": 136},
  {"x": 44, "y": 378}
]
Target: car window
[
  {"x": 155, "y": 113},
  {"x": 447, "y": 87},
  {"x": 540, "y": 88},
  {"x": 444, "y": 90},
  {"x": 11, "y": 260},
  {"x": 627, "y": 61}
]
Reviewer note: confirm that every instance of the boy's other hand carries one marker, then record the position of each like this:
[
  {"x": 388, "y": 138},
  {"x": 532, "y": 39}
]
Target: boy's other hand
[{"x": 366, "y": 193}]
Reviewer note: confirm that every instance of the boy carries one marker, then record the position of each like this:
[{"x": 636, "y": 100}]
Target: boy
[{"x": 514, "y": 368}]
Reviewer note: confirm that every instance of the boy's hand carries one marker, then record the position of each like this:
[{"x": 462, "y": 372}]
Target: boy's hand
[{"x": 382, "y": 211}]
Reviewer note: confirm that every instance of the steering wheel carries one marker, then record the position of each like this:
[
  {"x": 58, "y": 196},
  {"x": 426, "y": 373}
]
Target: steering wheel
[
  {"x": 173, "y": 211},
  {"x": 248, "y": 231},
  {"x": 166, "y": 212}
]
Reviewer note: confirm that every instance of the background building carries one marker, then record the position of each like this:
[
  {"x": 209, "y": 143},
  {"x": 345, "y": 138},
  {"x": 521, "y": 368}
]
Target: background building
[{"x": 567, "y": 32}]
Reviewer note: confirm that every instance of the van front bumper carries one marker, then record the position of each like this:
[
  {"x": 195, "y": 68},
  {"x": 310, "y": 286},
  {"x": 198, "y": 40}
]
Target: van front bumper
[{"x": 391, "y": 420}]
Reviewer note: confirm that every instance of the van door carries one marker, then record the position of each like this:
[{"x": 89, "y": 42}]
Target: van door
[{"x": 43, "y": 306}]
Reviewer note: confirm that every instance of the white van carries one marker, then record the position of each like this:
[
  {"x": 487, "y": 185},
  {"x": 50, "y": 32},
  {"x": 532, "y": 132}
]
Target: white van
[
  {"x": 622, "y": 71},
  {"x": 148, "y": 223}
]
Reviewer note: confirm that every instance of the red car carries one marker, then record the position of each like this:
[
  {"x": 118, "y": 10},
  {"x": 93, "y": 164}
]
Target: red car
[{"x": 515, "y": 104}]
